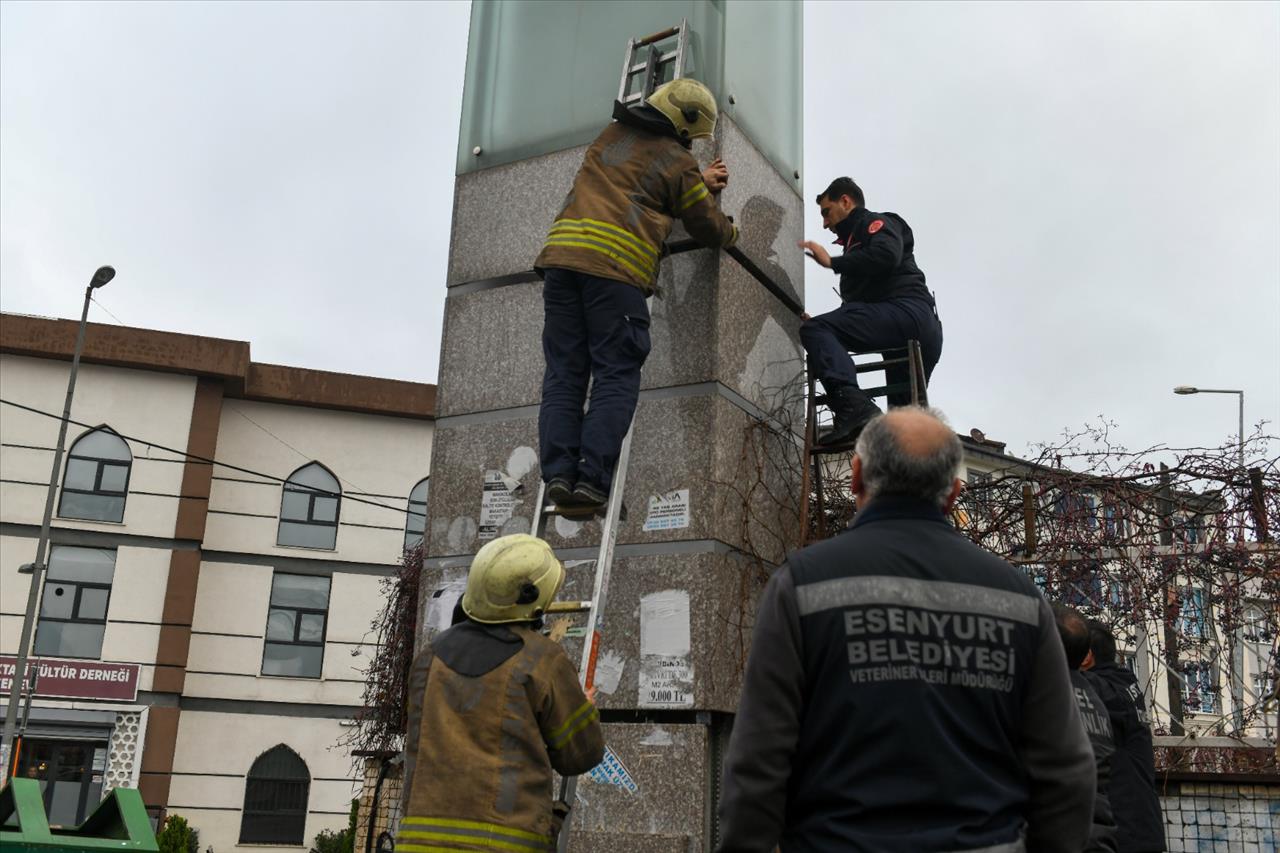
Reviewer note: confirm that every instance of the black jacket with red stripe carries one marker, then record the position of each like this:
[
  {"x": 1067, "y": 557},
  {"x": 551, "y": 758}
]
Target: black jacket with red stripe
[{"x": 879, "y": 261}]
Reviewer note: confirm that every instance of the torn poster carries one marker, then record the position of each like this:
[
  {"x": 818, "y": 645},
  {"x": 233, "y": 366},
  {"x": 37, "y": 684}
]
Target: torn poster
[
  {"x": 497, "y": 504},
  {"x": 666, "y": 674},
  {"x": 440, "y": 606},
  {"x": 611, "y": 771},
  {"x": 668, "y": 512}
]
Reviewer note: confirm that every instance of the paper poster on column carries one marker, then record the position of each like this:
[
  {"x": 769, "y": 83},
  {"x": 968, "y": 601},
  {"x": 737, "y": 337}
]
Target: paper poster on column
[
  {"x": 668, "y": 512},
  {"x": 666, "y": 674},
  {"x": 497, "y": 504}
]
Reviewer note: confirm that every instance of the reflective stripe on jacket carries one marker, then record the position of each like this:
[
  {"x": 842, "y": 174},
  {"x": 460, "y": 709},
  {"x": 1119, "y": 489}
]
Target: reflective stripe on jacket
[{"x": 631, "y": 186}]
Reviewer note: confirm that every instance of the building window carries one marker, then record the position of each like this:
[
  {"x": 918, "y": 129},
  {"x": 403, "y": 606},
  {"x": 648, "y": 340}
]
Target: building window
[
  {"x": 1191, "y": 617},
  {"x": 1113, "y": 523},
  {"x": 1199, "y": 690},
  {"x": 1258, "y": 635},
  {"x": 275, "y": 798},
  {"x": 309, "y": 508},
  {"x": 1077, "y": 511},
  {"x": 416, "y": 524},
  {"x": 1085, "y": 589},
  {"x": 96, "y": 479},
  {"x": 296, "y": 626},
  {"x": 73, "y": 607}
]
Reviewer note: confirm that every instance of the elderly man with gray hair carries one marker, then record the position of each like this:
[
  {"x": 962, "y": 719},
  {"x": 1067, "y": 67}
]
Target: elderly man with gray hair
[{"x": 906, "y": 690}]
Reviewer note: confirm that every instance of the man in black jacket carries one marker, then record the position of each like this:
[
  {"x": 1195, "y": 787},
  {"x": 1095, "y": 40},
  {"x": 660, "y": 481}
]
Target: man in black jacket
[
  {"x": 1097, "y": 725},
  {"x": 906, "y": 690},
  {"x": 884, "y": 304},
  {"x": 1139, "y": 821}
]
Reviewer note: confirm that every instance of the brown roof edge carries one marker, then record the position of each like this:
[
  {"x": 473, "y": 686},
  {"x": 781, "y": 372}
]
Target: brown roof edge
[
  {"x": 301, "y": 386},
  {"x": 124, "y": 346},
  {"x": 172, "y": 352}
]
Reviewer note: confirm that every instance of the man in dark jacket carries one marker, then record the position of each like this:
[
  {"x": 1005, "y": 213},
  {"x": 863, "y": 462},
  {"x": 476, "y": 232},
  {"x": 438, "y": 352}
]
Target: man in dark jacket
[
  {"x": 1097, "y": 725},
  {"x": 1134, "y": 800},
  {"x": 884, "y": 303},
  {"x": 906, "y": 690},
  {"x": 599, "y": 263}
]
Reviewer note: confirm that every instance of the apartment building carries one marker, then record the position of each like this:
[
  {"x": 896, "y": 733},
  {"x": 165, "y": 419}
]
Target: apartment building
[
  {"x": 221, "y": 532},
  {"x": 1116, "y": 558}
]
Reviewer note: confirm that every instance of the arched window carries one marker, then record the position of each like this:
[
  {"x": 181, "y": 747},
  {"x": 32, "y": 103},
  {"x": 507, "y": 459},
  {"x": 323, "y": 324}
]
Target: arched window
[
  {"x": 416, "y": 524},
  {"x": 96, "y": 479},
  {"x": 275, "y": 798},
  {"x": 309, "y": 508}
]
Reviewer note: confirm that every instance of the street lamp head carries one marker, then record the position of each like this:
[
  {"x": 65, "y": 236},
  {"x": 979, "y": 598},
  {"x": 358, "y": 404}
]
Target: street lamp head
[
  {"x": 102, "y": 276},
  {"x": 1186, "y": 389}
]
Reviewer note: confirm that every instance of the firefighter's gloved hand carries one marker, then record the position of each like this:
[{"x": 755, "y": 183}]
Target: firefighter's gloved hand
[{"x": 716, "y": 176}]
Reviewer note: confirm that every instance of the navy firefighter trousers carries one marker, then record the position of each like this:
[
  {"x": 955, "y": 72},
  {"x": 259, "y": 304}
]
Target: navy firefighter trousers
[
  {"x": 596, "y": 330},
  {"x": 871, "y": 327}
]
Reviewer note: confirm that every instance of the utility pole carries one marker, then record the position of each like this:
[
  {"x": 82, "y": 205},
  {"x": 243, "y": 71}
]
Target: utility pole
[{"x": 100, "y": 278}]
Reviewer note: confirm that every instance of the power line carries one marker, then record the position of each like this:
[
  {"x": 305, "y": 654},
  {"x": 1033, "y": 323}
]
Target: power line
[
  {"x": 306, "y": 456},
  {"x": 95, "y": 301},
  {"x": 205, "y": 460}
]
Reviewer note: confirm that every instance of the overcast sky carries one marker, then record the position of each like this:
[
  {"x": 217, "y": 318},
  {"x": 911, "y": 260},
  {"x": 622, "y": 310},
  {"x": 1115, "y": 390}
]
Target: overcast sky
[{"x": 1094, "y": 189}]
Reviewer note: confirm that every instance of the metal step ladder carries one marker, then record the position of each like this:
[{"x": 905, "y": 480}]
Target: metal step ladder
[
  {"x": 908, "y": 359},
  {"x": 646, "y": 60},
  {"x": 595, "y": 606}
]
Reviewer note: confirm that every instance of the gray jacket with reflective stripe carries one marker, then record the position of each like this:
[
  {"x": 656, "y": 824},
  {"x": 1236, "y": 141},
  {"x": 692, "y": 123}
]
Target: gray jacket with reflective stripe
[{"x": 906, "y": 691}]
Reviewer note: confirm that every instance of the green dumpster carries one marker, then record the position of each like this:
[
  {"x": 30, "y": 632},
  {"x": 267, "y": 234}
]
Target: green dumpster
[{"x": 120, "y": 822}]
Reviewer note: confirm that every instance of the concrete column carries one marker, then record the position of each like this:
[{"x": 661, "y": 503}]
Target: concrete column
[{"x": 725, "y": 359}]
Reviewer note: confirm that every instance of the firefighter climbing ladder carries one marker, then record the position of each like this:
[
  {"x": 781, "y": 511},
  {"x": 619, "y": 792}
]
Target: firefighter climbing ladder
[
  {"x": 651, "y": 70},
  {"x": 813, "y": 499}
]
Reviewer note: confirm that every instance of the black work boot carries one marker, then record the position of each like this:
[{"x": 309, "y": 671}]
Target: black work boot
[{"x": 852, "y": 410}]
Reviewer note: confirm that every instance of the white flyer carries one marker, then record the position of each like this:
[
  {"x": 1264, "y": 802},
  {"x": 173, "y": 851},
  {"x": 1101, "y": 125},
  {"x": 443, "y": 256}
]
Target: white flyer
[
  {"x": 497, "y": 504},
  {"x": 668, "y": 512},
  {"x": 666, "y": 674},
  {"x": 666, "y": 681}
]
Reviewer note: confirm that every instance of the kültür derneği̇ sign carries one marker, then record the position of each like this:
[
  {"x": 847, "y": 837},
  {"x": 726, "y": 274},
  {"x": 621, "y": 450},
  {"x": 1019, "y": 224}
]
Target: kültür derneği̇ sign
[{"x": 58, "y": 678}]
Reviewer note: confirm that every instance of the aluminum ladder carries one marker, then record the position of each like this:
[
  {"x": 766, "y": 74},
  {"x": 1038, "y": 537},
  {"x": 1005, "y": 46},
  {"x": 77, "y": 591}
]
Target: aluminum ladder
[
  {"x": 650, "y": 67},
  {"x": 594, "y": 607}
]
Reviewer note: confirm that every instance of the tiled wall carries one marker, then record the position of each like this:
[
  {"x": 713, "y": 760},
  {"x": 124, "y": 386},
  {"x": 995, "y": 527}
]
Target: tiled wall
[{"x": 1207, "y": 818}]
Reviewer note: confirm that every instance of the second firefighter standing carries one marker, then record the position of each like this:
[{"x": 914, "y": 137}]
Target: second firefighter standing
[{"x": 600, "y": 263}]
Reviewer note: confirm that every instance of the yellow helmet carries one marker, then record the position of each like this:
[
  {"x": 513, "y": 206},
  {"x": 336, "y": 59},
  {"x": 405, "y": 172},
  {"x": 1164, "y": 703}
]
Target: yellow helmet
[
  {"x": 512, "y": 579},
  {"x": 689, "y": 105}
]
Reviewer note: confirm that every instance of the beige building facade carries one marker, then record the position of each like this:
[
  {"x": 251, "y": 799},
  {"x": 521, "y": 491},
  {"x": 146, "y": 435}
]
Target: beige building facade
[{"x": 221, "y": 533}]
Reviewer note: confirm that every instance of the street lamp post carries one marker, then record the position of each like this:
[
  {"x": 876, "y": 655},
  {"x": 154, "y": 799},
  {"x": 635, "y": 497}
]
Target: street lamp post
[
  {"x": 100, "y": 278},
  {"x": 1191, "y": 389},
  {"x": 1236, "y": 659}
]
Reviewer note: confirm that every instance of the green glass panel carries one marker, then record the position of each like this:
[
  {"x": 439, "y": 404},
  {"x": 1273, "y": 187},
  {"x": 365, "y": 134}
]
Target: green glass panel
[
  {"x": 542, "y": 76},
  {"x": 763, "y": 75}
]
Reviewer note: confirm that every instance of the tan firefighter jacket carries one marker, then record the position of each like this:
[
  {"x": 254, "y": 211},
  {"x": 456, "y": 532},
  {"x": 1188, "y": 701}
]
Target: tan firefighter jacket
[
  {"x": 619, "y": 213},
  {"x": 493, "y": 709}
]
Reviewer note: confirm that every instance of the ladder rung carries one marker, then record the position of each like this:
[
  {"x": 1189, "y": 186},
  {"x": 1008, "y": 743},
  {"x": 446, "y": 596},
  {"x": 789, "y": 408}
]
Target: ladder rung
[
  {"x": 568, "y": 606},
  {"x": 879, "y": 365},
  {"x": 881, "y": 391}
]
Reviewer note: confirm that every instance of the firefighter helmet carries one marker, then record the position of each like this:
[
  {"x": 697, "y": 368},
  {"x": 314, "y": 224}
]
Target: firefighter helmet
[
  {"x": 688, "y": 104},
  {"x": 512, "y": 579}
]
